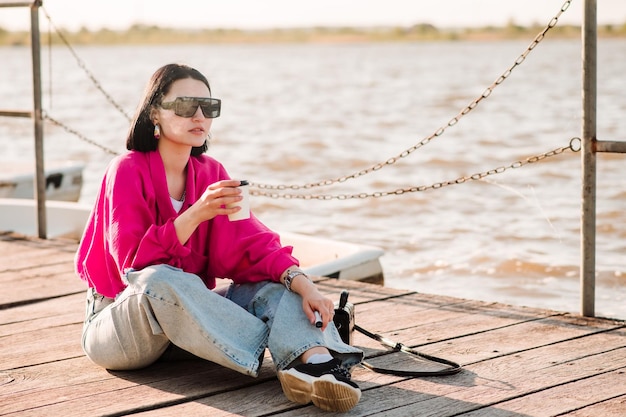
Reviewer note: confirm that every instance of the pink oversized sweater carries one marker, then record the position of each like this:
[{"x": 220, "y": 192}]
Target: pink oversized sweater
[{"x": 132, "y": 226}]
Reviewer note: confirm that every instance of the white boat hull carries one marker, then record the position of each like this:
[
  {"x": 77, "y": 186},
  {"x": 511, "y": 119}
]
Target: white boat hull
[
  {"x": 318, "y": 256},
  {"x": 63, "y": 181}
]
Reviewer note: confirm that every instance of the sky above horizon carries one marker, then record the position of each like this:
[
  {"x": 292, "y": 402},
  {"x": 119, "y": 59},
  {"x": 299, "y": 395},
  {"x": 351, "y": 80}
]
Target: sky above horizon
[{"x": 261, "y": 14}]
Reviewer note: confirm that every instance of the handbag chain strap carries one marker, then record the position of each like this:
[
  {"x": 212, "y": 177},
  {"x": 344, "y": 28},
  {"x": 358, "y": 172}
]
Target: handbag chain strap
[{"x": 453, "y": 367}]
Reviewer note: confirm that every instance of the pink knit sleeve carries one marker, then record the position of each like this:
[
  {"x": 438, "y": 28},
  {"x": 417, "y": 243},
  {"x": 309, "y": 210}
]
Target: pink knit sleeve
[
  {"x": 136, "y": 240},
  {"x": 247, "y": 251}
]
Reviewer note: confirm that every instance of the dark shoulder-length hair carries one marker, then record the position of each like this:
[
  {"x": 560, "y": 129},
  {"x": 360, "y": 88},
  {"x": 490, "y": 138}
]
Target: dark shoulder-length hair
[{"x": 141, "y": 133}]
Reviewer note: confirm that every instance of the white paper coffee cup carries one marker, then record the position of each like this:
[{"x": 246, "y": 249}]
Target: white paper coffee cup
[{"x": 244, "y": 213}]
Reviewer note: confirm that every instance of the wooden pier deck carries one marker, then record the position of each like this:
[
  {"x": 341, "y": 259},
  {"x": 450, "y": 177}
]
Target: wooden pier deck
[{"x": 517, "y": 361}]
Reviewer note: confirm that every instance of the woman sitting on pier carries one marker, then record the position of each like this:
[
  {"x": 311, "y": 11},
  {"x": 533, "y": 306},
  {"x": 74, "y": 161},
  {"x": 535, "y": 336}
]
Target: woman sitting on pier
[{"x": 158, "y": 238}]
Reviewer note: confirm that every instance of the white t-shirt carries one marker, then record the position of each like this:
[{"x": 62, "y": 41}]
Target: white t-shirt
[{"x": 177, "y": 204}]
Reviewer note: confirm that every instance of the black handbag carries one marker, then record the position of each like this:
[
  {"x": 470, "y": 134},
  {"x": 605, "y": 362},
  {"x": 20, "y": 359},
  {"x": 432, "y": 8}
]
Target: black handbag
[{"x": 344, "y": 320}]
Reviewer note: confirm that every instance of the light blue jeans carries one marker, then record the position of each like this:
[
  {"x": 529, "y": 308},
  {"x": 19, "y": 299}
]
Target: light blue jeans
[{"x": 163, "y": 305}]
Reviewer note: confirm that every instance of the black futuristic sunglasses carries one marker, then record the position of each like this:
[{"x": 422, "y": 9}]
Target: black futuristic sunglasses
[{"x": 187, "y": 106}]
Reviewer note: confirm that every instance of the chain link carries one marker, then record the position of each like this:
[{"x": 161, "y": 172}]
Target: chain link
[
  {"x": 79, "y": 135},
  {"x": 390, "y": 161},
  {"x": 574, "y": 146}
]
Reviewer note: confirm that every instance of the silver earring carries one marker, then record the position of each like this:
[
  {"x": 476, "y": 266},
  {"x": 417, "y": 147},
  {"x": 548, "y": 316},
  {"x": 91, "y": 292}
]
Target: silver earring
[{"x": 157, "y": 131}]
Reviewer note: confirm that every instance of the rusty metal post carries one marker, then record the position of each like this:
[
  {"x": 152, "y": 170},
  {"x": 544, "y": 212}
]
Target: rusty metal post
[
  {"x": 588, "y": 156},
  {"x": 40, "y": 179}
]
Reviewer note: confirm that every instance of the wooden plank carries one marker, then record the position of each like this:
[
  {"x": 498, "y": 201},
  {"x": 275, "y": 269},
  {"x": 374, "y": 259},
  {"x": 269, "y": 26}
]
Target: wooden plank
[
  {"x": 412, "y": 307},
  {"x": 33, "y": 326},
  {"x": 15, "y": 243},
  {"x": 370, "y": 381},
  {"x": 40, "y": 288},
  {"x": 565, "y": 398},
  {"x": 430, "y": 326},
  {"x": 483, "y": 325},
  {"x": 33, "y": 259},
  {"x": 61, "y": 375},
  {"x": 40, "y": 346},
  {"x": 360, "y": 292},
  {"x": 16, "y": 277},
  {"x": 505, "y": 376},
  {"x": 507, "y": 342},
  {"x": 501, "y": 340},
  {"x": 418, "y": 319},
  {"x": 36, "y": 269},
  {"x": 262, "y": 400},
  {"x": 34, "y": 379},
  {"x": 121, "y": 393},
  {"x": 518, "y": 361},
  {"x": 495, "y": 381},
  {"x": 615, "y": 407},
  {"x": 18, "y": 255},
  {"x": 56, "y": 343},
  {"x": 413, "y": 311},
  {"x": 68, "y": 309},
  {"x": 399, "y": 399}
]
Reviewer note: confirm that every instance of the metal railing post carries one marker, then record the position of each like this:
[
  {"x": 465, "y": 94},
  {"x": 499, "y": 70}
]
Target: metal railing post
[
  {"x": 588, "y": 156},
  {"x": 40, "y": 179}
]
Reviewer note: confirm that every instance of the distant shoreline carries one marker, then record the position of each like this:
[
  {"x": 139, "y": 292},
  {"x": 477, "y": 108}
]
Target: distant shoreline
[{"x": 143, "y": 34}]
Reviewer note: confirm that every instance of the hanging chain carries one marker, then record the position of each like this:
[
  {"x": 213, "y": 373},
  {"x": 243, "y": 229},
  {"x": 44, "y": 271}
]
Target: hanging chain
[
  {"x": 83, "y": 66},
  {"x": 79, "y": 135},
  {"x": 574, "y": 146},
  {"x": 439, "y": 131}
]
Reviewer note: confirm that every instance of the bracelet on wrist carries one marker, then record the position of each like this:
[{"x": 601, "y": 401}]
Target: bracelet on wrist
[{"x": 290, "y": 275}]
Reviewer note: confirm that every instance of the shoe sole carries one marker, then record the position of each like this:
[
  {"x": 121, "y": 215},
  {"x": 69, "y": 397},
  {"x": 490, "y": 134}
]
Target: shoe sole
[{"x": 325, "y": 392}]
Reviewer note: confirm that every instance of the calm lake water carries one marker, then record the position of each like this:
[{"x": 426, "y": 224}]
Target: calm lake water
[{"x": 294, "y": 114}]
